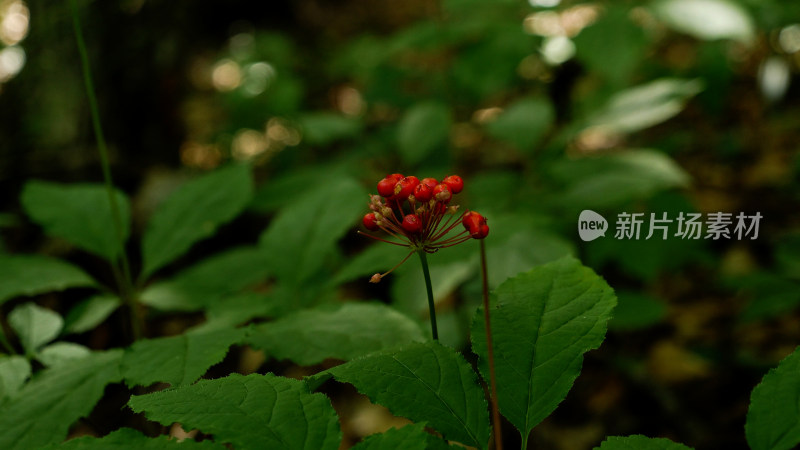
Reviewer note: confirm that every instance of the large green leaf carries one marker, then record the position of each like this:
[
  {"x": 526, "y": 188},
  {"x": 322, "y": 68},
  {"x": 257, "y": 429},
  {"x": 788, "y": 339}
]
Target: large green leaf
[
  {"x": 423, "y": 128},
  {"x": 322, "y": 128},
  {"x": 129, "y": 439},
  {"x": 639, "y": 442},
  {"x": 249, "y": 412},
  {"x": 193, "y": 213},
  {"x": 14, "y": 370},
  {"x": 377, "y": 258},
  {"x": 425, "y": 382},
  {"x": 524, "y": 123},
  {"x": 79, "y": 213},
  {"x": 707, "y": 19},
  {"x": 34, "y": 274},
  {"x": 543, "y": 321},
  {"x": 607, "y": 181},
  {"x": 410, "y": 437},
  {"x": 91, "y": 312},
  {"x": 209, "y": 281},
  {"x": 612, "y": 46},
  {"x": 645, "y": 105},
  {"x": 773, "y": 420},
  {"x": 62, "y": 354},
  {"x": 177, "y": 360},
  {"x": 343, "y": 332},
  {"x": 34, "y": 325},
  {"x": 43, "y": 410},
  {"x": 305, "y": 232},
  {"x": 236, "y": 310}
]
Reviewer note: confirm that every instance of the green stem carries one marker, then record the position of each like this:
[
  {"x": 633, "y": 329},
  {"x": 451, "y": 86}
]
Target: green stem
[
  {"x": 431, "y": 307},
  {"x": 524, "y": 445},
  {"x": 6, "y": 344},
  {"x": 124, "y": 279},
  {"x": 498, "y": 431}
]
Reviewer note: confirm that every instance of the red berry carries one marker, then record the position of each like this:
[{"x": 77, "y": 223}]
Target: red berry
[
  {"x": 405, "y": 187},
  {"x": 370, "y": 222},
  {"x": 475, "y": 224},
  {"x": 472, "y": 221},
  {"x": 481, "y": 233},
  {"x": 430, "y": 182},
  {"x": 423, "y": 192},
  {"x": 387, "y": 184},
  {"x": 442, "y": 193},
  {"x": 455, "y": 183},
  {"x": 411, "y": 223}
]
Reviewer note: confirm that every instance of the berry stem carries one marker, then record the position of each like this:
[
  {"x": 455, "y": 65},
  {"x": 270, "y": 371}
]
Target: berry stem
[
  {"x": 498, "y": 433},
  {"x": 431, "y": 307}
]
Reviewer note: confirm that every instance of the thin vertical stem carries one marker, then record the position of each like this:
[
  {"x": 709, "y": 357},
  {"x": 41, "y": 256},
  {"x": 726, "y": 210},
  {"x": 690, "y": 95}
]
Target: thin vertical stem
[
  {"x": 124, "y": 278},
  {"x": 5, "y": 343},
  {"x": 431, "y": 307},
  {"x": 498, "y": 432}
]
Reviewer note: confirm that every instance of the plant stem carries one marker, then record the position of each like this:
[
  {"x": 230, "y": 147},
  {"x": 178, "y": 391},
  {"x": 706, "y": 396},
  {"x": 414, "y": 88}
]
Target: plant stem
[
  {"x": 524, "y": 445},
  {"x": 431, "y": 307},
  {"x": 6, "y": 344},
  {"x": 124, "y": 279},
  {"x": 498, "y": 432}
]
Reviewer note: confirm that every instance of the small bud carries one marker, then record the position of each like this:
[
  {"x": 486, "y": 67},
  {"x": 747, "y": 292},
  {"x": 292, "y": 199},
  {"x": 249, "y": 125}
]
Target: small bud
[
  {"x": 375, "y": 279},
  {"x": 386, "y": 211},
  {"x": 442, "y": 193}
]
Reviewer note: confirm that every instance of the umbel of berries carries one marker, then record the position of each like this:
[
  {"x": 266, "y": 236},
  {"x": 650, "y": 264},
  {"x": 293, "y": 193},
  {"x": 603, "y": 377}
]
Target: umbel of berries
[{"x": 420, "y": 215}]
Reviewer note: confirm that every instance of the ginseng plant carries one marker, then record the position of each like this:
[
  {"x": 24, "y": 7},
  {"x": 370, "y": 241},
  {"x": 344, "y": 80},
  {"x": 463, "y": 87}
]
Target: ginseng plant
[{"x": 418, "y": 214}]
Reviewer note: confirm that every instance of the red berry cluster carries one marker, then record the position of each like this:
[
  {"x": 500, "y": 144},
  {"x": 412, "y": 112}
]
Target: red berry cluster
[{"x": 419, "y": 213}]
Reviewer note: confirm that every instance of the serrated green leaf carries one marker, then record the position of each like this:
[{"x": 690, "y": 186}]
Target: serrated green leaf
[
  {"x": 409, "y": 437},
  {"x": 305, "y": 232},
  {"x": 44, "y": 409},
  {"x": 645, "y": 105},
  {"x": 773, "y": 420},
  {"x": 78, "y": 213},
  {"x": 523, "y": 123},
  {"x": 35, "y": 274},
  {"x": 343, "y": 332},
  {"x": 193, "y": 213},
  {"x": 707, "y": 19},
  {"x": 209, "y": 281},
  {"x": 234, "y": 311},
  {"x": 249, "y": 412},
  {"x": 34, "y": 325},
  {"x": 177, "y": 360},
  {"x": 62, "y": 353},
  {"x": 14, "y": 370},
  {"x": 423, "y": 128},
  {"x": 543, "y": 321},
  {"x": 639, "y": 442},
  {"x": 90, "y": 313},
  {"x": 425, "y": 382},
  {"x": 129, "y": 439}
]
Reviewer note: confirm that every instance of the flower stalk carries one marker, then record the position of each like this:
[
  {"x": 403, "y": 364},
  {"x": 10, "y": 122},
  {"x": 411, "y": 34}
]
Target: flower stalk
[
  {"x": 496, "y": 424},
  {"x": 429, "y": 289}
]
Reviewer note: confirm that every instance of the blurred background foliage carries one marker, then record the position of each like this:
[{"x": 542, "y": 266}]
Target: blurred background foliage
[{"x": 544, "y": 107}]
